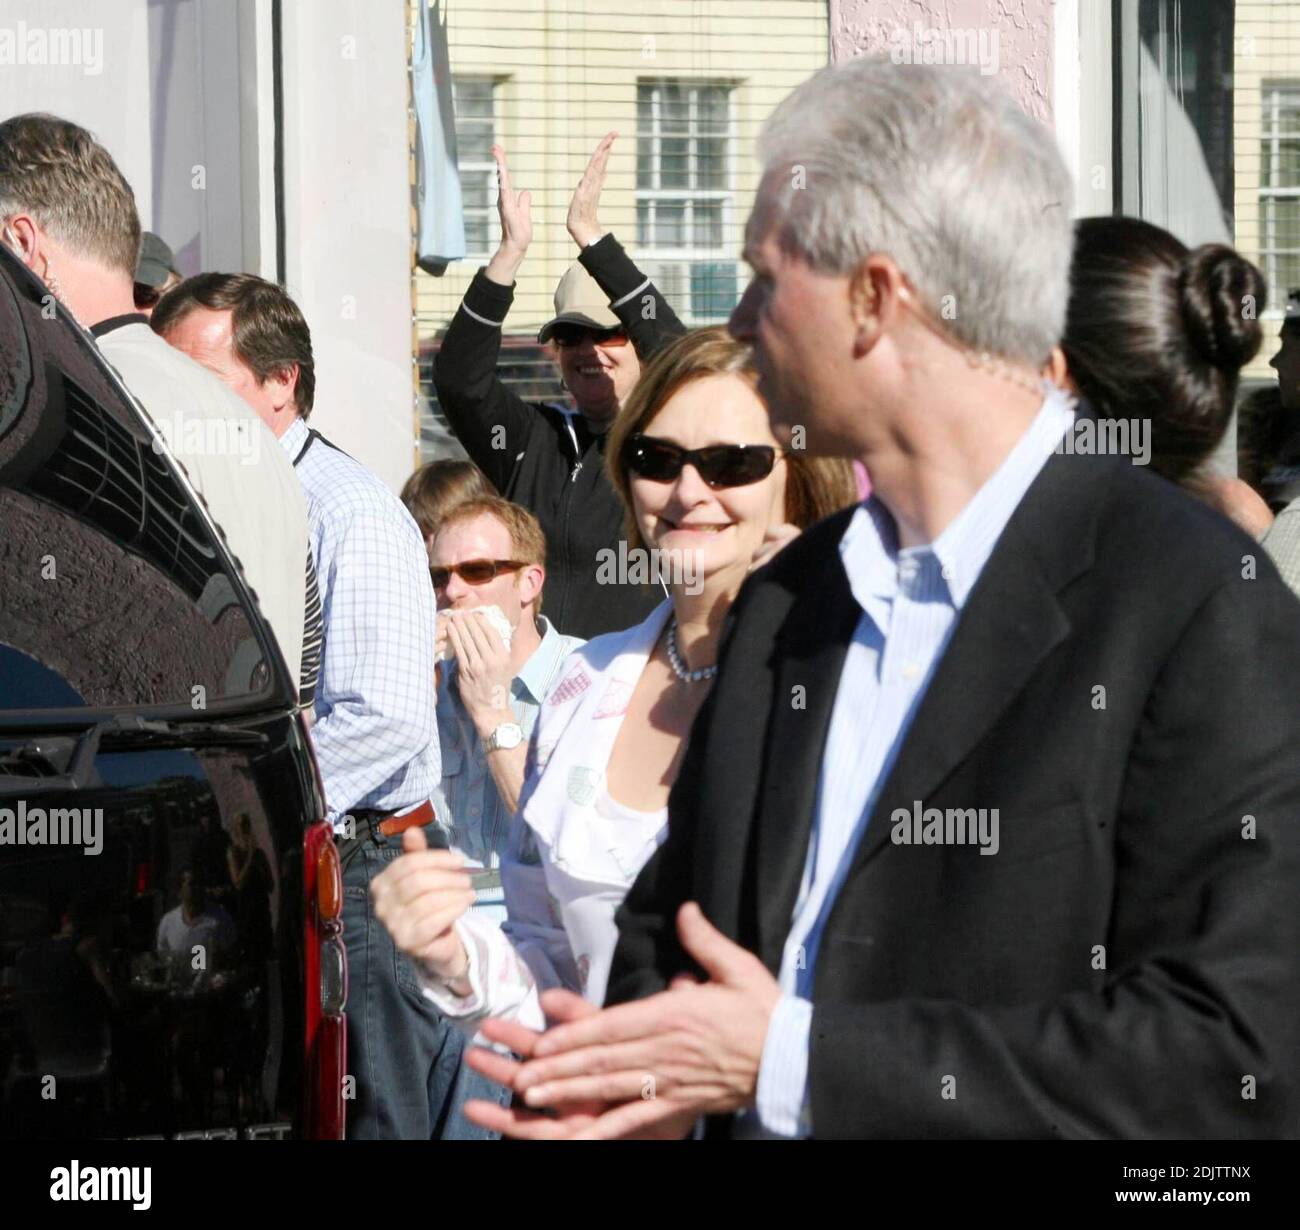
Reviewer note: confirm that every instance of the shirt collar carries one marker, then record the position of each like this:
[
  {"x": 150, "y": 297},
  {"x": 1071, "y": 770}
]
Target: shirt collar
[
  {"x": 118, "y": 322},
  {"x": 538, "y": 671},
  {"x": 294, "y": 438},
  {"x": 869, "y": 547}
]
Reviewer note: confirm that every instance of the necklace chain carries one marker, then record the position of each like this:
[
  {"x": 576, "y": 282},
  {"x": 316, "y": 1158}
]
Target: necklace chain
[{"x": 679, "y": 667}]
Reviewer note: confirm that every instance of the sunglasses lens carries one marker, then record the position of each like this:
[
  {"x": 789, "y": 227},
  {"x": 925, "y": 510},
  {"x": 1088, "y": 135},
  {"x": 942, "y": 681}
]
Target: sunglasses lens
[
  {"x": 658, "y": 462},
  {"x": 474, "y": 572},
  {"x": 573, "y": 335},
  {"x": 477, "y": 571},
  {"x": 736, "y": 465}
]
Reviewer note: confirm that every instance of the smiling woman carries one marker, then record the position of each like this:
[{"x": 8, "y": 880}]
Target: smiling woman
[{"x": 706, "y": 487}]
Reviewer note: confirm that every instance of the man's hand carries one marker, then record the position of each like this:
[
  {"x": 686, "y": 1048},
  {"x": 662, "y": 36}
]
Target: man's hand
[
  {"x": 657, "y": 1064},
  {"x": 483, "y": 669},
  {"x": 582, "y": 222},
  {"x": 418, "y": 897},
  {"x": 515, "y": 212},
  {"x": 515, "y": 1121}
]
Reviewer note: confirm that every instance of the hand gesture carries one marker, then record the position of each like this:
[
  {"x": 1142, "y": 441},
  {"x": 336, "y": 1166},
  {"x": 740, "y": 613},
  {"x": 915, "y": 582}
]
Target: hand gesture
[
  {"x": 418, "y": 897},
  {"x": 514, "y": 209},
  {"x": 483, "y": 669},
  {"x": 647, "y": 1068},
  {"x": 582, "y": 222}
]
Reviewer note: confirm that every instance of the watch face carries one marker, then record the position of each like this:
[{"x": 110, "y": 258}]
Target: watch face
[{"x": 508, "y": 735}]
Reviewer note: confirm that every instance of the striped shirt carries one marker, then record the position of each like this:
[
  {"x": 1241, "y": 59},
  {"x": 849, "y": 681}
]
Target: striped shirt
[
  {"x": 375, "y": 734},
  {"x": 911, "y": 600},
  {"x": 313, "y": 636}
]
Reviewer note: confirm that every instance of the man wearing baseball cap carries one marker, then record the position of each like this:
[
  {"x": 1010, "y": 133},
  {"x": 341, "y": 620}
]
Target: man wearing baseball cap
[
  {"x": 155, "y": 272},
  {"x": 609, "y": 319}
]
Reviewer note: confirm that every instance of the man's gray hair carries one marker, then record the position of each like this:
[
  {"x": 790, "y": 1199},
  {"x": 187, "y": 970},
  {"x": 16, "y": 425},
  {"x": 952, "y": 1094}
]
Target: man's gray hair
[
  {"x": 56, "y": 171},
  {"x": 939, "y": 168}
]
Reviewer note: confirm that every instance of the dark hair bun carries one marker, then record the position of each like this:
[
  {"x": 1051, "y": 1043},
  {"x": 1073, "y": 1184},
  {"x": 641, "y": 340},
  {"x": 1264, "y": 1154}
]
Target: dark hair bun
[{"x": 1221, "y": 295}]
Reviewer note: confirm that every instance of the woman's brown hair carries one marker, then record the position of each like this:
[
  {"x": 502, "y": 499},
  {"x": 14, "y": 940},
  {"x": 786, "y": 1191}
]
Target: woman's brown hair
[{"x": 815, "y": 486}]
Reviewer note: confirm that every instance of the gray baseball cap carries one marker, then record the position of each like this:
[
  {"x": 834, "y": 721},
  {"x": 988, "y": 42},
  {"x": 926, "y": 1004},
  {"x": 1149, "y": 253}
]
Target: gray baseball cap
[{"x": 156, "y": 262}]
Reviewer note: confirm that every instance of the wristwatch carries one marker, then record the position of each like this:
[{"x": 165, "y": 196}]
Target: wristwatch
[{"x": 505, "y": 736}]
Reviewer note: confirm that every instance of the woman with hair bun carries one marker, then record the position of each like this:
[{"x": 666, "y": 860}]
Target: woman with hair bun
[{"x": 1158, "y": 331}]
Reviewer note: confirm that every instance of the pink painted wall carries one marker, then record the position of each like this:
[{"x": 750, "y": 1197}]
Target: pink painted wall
[{"x": 1024, "y": 30}]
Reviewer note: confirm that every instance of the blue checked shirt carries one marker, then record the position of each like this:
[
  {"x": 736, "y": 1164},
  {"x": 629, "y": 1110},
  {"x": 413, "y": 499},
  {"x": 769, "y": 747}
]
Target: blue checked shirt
[
  {"x": 910, "y": 600},
  {"x": 480, "y": 822},
  {"x": 375, "y": 734}
]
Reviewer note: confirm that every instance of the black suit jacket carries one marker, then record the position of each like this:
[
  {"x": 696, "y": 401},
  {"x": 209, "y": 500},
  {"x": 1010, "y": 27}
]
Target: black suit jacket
[{"x": 1128, "y": 963}]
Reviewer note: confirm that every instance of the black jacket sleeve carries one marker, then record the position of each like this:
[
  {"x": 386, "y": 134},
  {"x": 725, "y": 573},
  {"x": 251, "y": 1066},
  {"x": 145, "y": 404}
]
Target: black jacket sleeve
[
  {"x": 634, "y": 299},
  {"x": 491, "y": 422}
]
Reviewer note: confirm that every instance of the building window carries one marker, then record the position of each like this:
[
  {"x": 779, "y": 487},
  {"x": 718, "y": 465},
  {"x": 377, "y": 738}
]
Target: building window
[
  {"x": 474, "y": 100},
  {"x": 685, "y": 200},
  {"x": 1279, "y": 189}
]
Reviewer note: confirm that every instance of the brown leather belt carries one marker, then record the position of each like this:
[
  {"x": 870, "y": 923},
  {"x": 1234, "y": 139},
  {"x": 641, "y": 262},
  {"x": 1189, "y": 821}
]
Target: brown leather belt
[{"x": 416, "y": 818}]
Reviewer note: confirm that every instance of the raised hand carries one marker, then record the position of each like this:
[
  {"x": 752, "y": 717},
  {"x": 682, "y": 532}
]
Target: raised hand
[
  {"x": 582, "y": 221},
  {"x": 418, "y": 897},
  {"x": 515, "y": 211}
]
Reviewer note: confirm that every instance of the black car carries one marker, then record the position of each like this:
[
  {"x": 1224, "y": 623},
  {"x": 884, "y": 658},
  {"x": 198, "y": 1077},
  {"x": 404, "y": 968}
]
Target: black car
[{"x": 171, "y": 961}]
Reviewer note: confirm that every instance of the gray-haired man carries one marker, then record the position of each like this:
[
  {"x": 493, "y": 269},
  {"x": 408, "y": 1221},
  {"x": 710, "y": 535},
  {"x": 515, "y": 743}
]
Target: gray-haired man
[{"x": 1061, "y": 640}]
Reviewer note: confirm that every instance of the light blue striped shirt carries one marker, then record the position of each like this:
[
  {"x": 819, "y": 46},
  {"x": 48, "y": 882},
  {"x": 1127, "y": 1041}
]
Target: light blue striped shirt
[
  {"x": 375, "y": 735},
  {"x": 910, "y": 601}
]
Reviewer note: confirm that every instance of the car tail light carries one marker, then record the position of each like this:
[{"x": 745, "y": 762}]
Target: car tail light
[
  {"x": 329, "y": 883},
  {"x": 326, "y": 984},
  {"x": 333, "y": 977}
]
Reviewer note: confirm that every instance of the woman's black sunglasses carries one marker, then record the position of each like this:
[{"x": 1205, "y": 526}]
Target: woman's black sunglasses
[
  {"x": 720, "y": 465},
  {"x": 565, "y": 335}
]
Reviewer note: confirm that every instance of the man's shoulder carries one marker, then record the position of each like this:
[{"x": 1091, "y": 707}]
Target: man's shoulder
[
  {"x": 1151, "y": 529},
  {"x": 146, "y": 361},
  {"x": 347, "y": 489},
  {"x": 805, "y": 561},
  {"x": 215, "y": 435}
]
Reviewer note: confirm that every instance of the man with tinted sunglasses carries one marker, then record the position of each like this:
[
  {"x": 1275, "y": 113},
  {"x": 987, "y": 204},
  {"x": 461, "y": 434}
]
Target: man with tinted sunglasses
[
  {"x": 486, "y": 552},
  {"x": 608, "y": 319}
]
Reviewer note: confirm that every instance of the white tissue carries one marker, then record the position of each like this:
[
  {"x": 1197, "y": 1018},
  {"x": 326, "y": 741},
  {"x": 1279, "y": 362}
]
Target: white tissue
[{"x": 495, "y": 616}]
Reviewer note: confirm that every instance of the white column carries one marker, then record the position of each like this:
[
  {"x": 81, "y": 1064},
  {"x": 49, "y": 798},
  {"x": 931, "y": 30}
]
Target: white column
[{"x": 347, "y": 212}]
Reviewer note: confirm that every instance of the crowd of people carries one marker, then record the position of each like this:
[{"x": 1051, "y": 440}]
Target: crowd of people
[{"x": 925, "y": 766}]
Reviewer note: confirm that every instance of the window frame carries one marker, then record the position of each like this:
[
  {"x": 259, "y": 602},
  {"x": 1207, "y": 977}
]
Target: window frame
[
  {"x": 477, "y": 168},
  {"x": 1271, "y": 136},
  {"x": 651, "y": 196}
]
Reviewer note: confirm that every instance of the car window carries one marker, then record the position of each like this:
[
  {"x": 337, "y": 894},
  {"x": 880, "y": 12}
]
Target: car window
[{"x": 116, "y": 593}]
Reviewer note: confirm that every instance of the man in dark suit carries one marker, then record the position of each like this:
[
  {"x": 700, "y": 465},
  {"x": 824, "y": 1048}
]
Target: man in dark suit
[{"x": 990, "y": 826}]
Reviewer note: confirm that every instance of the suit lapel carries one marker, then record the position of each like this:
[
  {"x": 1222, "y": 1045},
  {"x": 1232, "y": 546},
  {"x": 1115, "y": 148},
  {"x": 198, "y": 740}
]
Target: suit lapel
[
  {"x": 1011, "y": 621},
  {"x": 811, "y": 647}
]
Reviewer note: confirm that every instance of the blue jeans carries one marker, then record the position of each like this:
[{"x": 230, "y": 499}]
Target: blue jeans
[{"x": 411, "y": 1083}]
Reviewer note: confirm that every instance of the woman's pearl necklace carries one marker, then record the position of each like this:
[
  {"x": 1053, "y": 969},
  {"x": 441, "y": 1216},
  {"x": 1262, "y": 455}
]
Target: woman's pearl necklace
[{"x": 679, "y": 667}]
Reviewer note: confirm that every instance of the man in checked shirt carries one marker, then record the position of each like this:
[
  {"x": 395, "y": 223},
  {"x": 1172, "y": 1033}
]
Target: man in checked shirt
[{"x": 375, "y": 732}]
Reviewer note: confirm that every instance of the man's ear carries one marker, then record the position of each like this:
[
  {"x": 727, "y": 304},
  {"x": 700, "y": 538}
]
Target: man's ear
[
  {"x": 876, "y": 294},
  {"x": 23, "y": 237},
  {"x": 531, "y": 580},
  {"x": 282, "y": 385},
  {"x": 1057, "y": 370}
]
